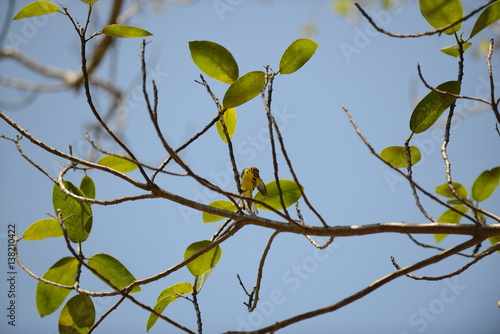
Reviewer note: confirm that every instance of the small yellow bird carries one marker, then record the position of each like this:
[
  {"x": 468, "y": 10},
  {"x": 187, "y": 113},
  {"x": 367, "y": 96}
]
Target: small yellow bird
[{"x": 249, "y": 180}]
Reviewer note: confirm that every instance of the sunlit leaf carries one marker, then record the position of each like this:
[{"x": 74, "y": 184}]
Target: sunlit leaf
[
  {"x": 37, "y": 8},
  {"x": 452, "y": 50},
  {"x": 443, "y": 190},
  {"x": 450, "y": 217},
  {"x": 487, "y": 17},
  {"x": 495, "y": 240},
  {"x": 113, "y": 270},
  {"x": 204, "y": 262},
  {"x": 76, "y": 215},
  {"x": 45, "y": 228},
  {"x": 244, "y": 89},
  {"x": 87, "y": 186},
  {"x": 296, "y": 55},
  {"x": 432, "y": 106},
  {"x": 220, "y": 204},
  {"x": 214, "y": 60},
  {"x": 167, "y": 296},
  {"x": 396, "y": 155},
  {"x": 230, "y": 121},
  {"x": 440, "y": 13},
  {"x": 485, "y": 184},
  {"x": 50, "y": 297},
  {"x": 122, "y": 31},
  {"x": 118, "y": 163},
  {"x": 78, "y": 315},
  {"x": 200, "y": 280},
  {"x": 290, "y": 190},
  {"x": 88, "y": 2}
]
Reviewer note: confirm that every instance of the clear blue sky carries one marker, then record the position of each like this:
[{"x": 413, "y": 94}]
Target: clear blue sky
[{"x": 373, "y": 75}]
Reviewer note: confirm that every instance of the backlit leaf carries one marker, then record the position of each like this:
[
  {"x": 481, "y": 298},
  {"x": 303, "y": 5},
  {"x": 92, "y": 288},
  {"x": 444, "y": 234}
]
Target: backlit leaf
[
  {"x": 123, "y": 31},
  {"x": 78, "y": 315},
  {"x": 440, "y": 13},
  {"x": 45, "y": 228},
  {"x": 214, "y": 60},
  {"x": 118, "y": 163},
  {"x": 485, "y": 184},
  {"x": 230, "y": 121},
  {"x": 87, "y": 186},
  {"x": 113, "y": 270},
  {"x": 204, "y": 262},
  {"x": 50, "y": 297},
  {"x": 452, "y": 50},
  {"x": 450, "y": 217},
  {"x": 170, "y": 294},
  {"x": 37, "y": 8},
  {"x": 396, "y": 155},
  {"x": 432, "y": 106},
  {"x": 487, "y": 17},
  {"x": 244, "y": 89},
  {"x": 290, "y": 190},
  {"x": 221, "y": 204},
  {"x": 443, "y": 190},
  {"x": 296, "y": 55}
]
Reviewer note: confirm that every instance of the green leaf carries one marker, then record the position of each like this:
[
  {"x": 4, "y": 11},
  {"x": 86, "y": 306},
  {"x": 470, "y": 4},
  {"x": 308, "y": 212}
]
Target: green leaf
[
  {"x": 77, "y": 216},
  {"x": 50, "y": 297},
  {"x": 450, "y": 217},
  {"x": 297, "y": 54},
  {"x": 204, "y": 262},
  {"x": 440, "y": 13},
  {"x": 221, "y": 204},
  {"x": 290, "y": 190},
  {"x": 200, "y": 280},
  {"x": 170, "y": 294},
  {"x": 214, "y": 60},
  {"x": 87, "y": 186},
  {"x": 432, "y": 106},
  {"x": 89, "y": 2},
  {"x": 244, "y": 89},
  {"x": 122, "y": 31},
  {"x": 396, "y": 155},
  {"x": 37, "y": 8},
  {"x": 45, "y": 228},
  {"x": 230, "y": 121},
  {"x": 118, "y": 163},
  {"x": 494, "y": 240},
  {"x": 113, "y": 270},
  {"x": 443, "y": 190},
  {"x": 487, "y": 17},
  {"x": 452, "y": 50},
  {"x": 485, "y": 184},
  {"x": 77, "y": 316}
]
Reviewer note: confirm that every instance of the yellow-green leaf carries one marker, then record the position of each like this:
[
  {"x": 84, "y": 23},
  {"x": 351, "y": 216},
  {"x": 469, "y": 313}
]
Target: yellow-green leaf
[
  {"x": 396, "y": 155},
  {"x": 37, "y": 8},
  {"x": 170, "y": 294},
  {"x": 220, "y": 204},
  {"x": 297, "y": 54},
  {"x": 113, "y": 270},
  {"x": 230, "y": 121},
  {"x": 123, "y": 31},
  {"x": 87, "y": 186},
  {"x": 45, "y": 228},
  {"x": 432, "y": 106},
  {"x": 89, "y": 2},
  {"x": 452, "y": 50},
  {"x": 118, "y": 163},
  {"x": 244, "y": 89},
  {"x": 494, "y": 240},
  {"x": 214, "y": 60},
  {"x": 290, "y": 190},
  {"x": 487, "y": 17},
  {"x": 450, "y": 217},
  {"x": 50, "y": 297},
  {"x": 443, "y": 190},
  {"x": 440, "y": 13},
  {"x": 485, "y": 184},
  {"x": 204, "y": 262},
  {"x": 77, "y": 316}
]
